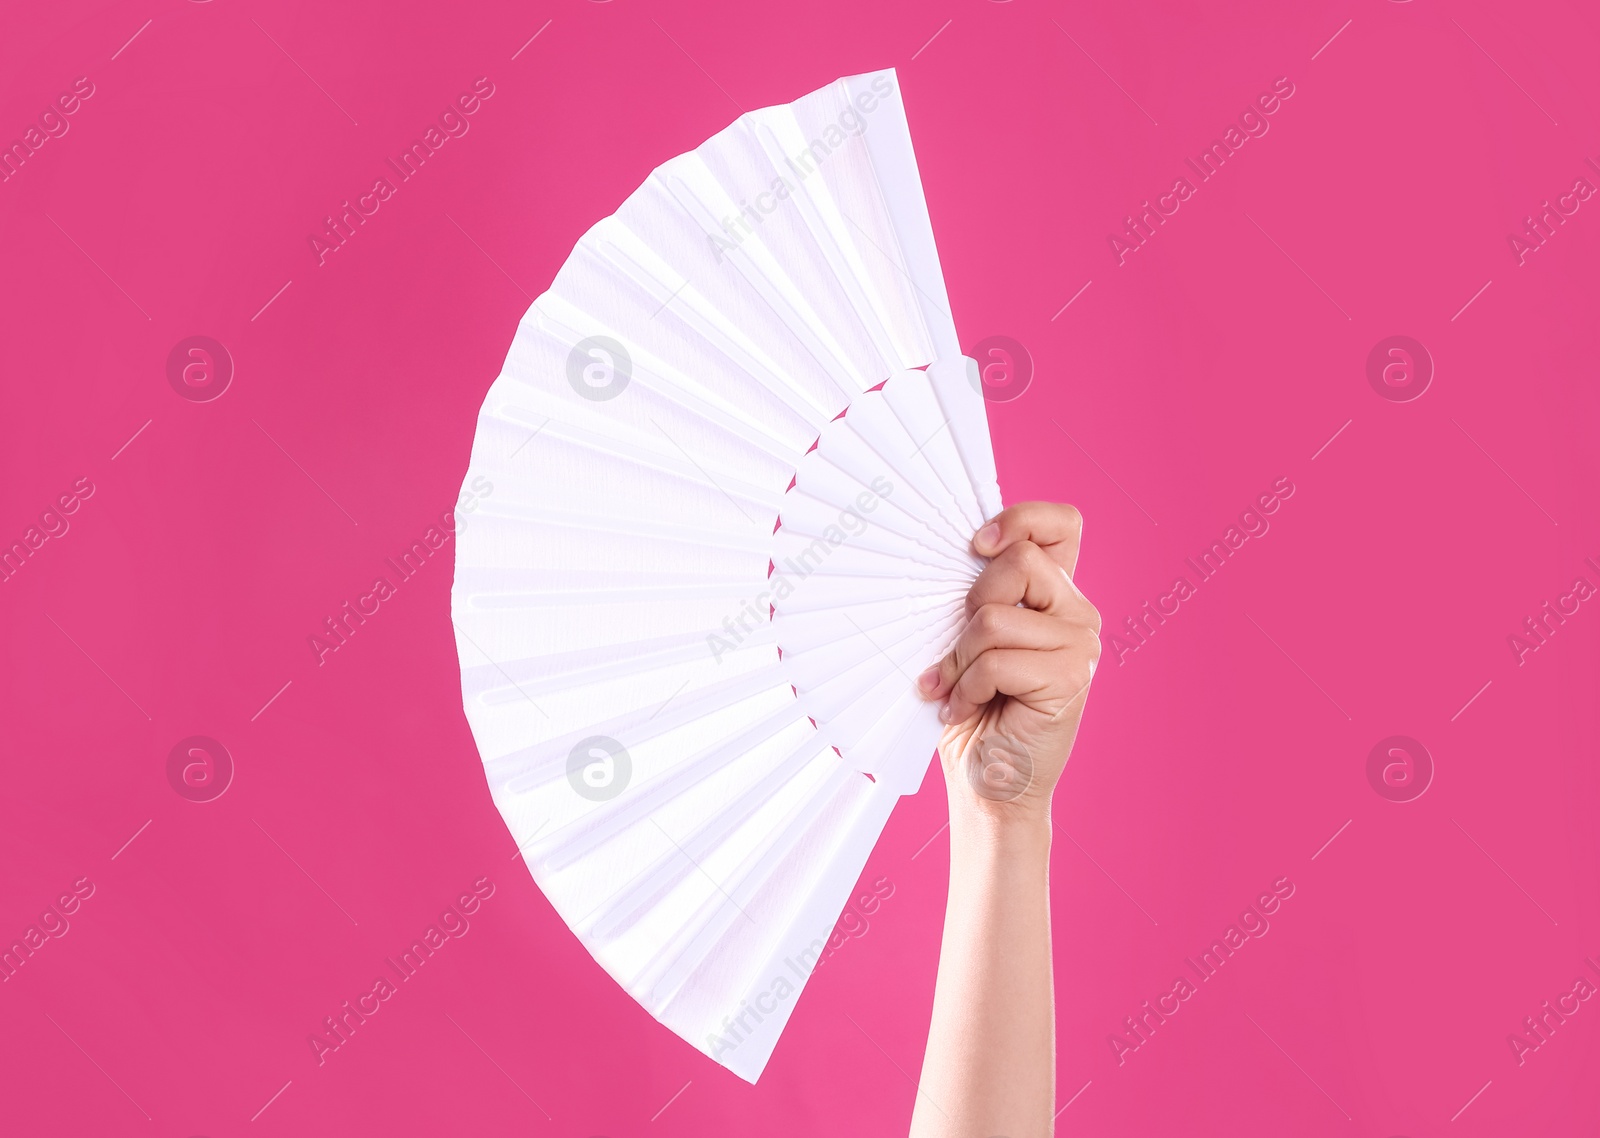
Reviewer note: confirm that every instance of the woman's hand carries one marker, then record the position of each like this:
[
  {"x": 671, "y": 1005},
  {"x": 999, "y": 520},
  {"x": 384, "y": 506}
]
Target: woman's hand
[
  {"x": 1015, "y": 683},
  {"x": 1014, "y": 687}
]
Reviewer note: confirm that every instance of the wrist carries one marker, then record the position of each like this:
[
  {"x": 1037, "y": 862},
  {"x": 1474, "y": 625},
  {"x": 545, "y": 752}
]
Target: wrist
[
  {"x": 996, "y": 783},
  {"x": 1009, "y": 828}
]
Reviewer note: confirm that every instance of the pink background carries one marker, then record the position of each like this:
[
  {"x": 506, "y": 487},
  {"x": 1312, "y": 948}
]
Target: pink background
[{"x": 1221, "y": 755}]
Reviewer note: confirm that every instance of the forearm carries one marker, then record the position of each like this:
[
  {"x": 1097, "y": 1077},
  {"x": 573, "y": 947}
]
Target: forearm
[
  {"x": 990, "y": 1063},
  {"x": 1011, "y": 692}
]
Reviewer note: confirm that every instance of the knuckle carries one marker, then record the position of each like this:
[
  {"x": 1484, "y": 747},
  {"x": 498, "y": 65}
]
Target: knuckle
[
  {"x": 1030, "y": 558},
  {"x": 988, "y": 581},
  {"x": 1081, "y": 671},
  {"x": 989, "y": 621},
  {"x": 1094, "y": 649}
]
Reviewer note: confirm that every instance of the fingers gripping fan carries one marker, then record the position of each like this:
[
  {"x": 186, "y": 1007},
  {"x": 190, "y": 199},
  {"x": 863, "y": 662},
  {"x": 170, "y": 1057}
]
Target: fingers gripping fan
[{"x": 736, "y": 459}]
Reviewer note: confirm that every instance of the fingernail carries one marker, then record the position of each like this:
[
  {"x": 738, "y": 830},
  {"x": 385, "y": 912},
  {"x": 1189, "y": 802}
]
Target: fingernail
[
  {"x": 929, "y": 681},
  {"x": 988, "y": 537},
  {"x": 945, "y": 715}
]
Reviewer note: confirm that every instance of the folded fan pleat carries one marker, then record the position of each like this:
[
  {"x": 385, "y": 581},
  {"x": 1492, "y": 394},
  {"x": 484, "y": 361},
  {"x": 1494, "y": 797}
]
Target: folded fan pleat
[{"x": 735, "y": 461}]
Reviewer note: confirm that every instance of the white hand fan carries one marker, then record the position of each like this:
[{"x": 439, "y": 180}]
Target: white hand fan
[{"x": 729, "y": 525}]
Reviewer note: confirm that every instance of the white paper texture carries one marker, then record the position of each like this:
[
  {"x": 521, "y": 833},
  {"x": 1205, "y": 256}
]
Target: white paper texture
[{"x": 737, "y": 463}]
